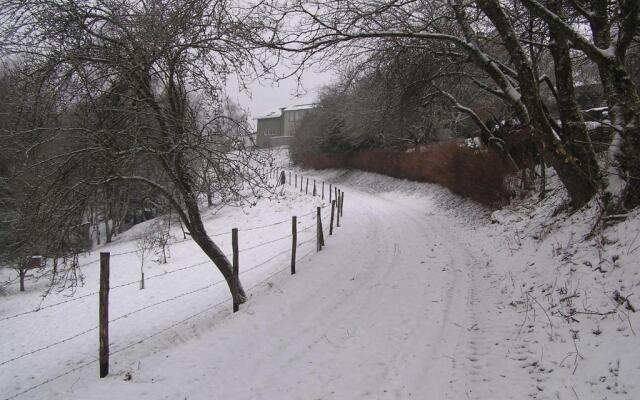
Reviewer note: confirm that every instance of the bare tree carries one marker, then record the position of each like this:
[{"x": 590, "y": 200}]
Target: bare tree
[
  {"x": 613, "y": 25},
  {"x": 125, "y": 75},
  {"x": 349, "y": 30}
]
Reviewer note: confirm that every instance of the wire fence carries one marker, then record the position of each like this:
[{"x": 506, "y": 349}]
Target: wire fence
[
  {"x": 164, "y": 274},
  {"x": 127, "y": 314},
  {"x": 123, "y": 253}
]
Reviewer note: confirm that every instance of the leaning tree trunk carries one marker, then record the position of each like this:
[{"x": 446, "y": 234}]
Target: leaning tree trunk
[{"x": 202, "y": 239}]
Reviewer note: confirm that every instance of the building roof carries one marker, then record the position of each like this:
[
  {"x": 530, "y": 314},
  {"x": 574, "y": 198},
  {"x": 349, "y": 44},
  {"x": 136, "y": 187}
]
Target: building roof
[
  {"x": 277, "y": 113},
  {"x": 271, "y": 114},
  {"x": 300, "y": 107}
]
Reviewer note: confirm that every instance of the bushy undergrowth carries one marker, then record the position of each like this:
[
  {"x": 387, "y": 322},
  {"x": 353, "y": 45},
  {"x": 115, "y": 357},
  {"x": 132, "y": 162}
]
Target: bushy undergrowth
[{"x": 481, "y": 175}]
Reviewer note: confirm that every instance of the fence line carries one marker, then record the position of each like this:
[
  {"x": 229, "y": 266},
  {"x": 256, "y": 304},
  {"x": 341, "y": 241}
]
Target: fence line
[
  {"x": 59, "y": 342},
  {"x": 279, "y": 238},
  {"x": 151, "y": 276},
  {"x": 286, "y": 251},
  {"x": 212, "y": 306},
  {"x": 111, "y": 288},
  {"x": 266, "y": 243},
  {"x": 88, "y": 363},
  {"x": 48, "y": 346},
  {"x": 169, "y": 272},
  {"x": 49, "y": 380},
  {"x": 218, "y": 234}
]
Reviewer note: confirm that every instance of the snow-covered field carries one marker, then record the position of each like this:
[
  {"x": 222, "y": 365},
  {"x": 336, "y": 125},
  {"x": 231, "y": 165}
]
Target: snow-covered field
[{"x": 419, "y": 294}]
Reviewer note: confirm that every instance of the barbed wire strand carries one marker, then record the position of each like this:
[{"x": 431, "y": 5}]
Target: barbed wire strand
[
  {"x": 138, "y": 281},
  {"x": 59, "y": 342},
  {"x": 111, "y": 288},
  {"x": 146, "y": 279},
  {"x": 76, "y": 368},
  {"x": 265, "y": 243},
  {"x": 49, "y": 380},
  {"x": 189, "y": 239}
]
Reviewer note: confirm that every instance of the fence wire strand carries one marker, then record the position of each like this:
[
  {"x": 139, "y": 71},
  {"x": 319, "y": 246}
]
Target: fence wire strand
[
  {"x": 116, "y": 351},
  {"x": 59, "y": 342}
]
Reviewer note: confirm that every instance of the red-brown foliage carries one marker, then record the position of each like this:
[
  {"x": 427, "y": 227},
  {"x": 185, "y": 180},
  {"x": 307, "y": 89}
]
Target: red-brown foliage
[{"x": 480, "y": 175}]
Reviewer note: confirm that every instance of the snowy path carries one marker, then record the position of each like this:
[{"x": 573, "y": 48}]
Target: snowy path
[
  {"x": 390, "y": 309},
  {"x": 418, "y": 295}
]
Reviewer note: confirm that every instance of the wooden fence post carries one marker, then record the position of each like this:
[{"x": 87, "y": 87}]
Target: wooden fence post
[
  {"x": 306, "y": 188},
  {"x": 314, "y": 188},
  {"x": 322, "y": 190},
  {"x": 22, "y": 273},
  {"x": 335, "y": 192},
  {"x": 236, "y": 267},
  {"x": 329, "y": 193},
  {"x": 103, "y": 315},
  {"x": 296, "y": 181},
  {"x": 318, "y": 230},
  {"x": 342, "y": 204},
  {"x": 337, "y": 213},
  {"x": 294, "y": 243},
  {"x": 333, "y": 207},
  {"x": 301, "y": 179},
  {"x": 321, "y": 229}
]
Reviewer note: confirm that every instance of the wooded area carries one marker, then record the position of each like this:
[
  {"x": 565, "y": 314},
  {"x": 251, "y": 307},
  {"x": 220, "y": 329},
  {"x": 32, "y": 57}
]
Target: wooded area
[
  {"x": 113, "y": 112},
  {"x": 413, "y": 71}
]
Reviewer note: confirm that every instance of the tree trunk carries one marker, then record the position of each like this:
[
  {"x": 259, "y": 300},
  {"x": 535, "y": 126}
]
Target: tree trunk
[
  {"x": 22, "y": 272},
  {"x": 96, "y": 227},
  {"x": 568, "y": 164},
  {"x": 107, "y": 228},
  {"x": 623, "y": 103},
  {"x": 574, "y": 131},
  {"x": 108, "y": 231},
  {"x": 543, "y": 172},
  {"x": 202, "y": 239}
]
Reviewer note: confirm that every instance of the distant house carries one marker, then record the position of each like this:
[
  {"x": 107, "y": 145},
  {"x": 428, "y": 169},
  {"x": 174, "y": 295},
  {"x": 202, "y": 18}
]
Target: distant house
[{"x": 279, "y": 127}]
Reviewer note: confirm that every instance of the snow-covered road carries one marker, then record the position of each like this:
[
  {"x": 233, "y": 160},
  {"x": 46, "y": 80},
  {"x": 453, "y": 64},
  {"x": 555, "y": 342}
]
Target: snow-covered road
[
  {"x": 389, "y": 309},
  {"x": 416, "y": 295}
]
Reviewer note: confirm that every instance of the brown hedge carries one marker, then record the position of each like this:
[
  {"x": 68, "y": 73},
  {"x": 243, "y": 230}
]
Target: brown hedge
[{"x": 480, "y": 175}]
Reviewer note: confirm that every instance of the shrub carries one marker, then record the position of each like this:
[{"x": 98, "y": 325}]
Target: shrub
[{"x": 480, "y": 175}]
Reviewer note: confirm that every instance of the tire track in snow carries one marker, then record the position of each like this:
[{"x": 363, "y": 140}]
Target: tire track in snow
[{"x": 388, "y": 310}]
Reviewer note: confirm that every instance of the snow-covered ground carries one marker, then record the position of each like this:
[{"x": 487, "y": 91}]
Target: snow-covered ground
[{"x": 419, "y": 294}]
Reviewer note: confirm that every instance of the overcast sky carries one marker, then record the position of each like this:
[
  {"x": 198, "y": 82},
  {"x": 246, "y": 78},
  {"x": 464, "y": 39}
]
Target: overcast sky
[{"x": 265, "y": 95}]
